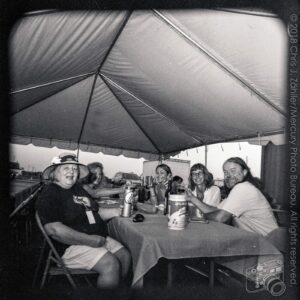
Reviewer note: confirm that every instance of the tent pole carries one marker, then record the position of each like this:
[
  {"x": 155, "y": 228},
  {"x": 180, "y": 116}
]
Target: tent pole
[
  {"x": 161, "y": 158},
  {"x": 205, "y": 157}
]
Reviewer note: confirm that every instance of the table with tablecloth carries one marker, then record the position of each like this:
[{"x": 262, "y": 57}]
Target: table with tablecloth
[{"x": 151, "y": 240}]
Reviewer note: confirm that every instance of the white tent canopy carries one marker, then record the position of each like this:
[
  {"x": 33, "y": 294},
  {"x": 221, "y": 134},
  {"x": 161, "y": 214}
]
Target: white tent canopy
[{"x": 146, "y": 83}]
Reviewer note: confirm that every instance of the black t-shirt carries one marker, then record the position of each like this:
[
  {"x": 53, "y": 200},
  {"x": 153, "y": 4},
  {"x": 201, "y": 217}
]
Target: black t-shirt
[{"x": 69, "y": 207}]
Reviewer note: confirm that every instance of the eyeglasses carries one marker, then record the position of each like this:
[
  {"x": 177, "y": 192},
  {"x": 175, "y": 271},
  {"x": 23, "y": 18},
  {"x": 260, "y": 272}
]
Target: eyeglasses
[{"x": 197, "y": 174}]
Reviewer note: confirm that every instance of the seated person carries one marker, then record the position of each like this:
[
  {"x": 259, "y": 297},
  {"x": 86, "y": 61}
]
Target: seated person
[
  {"x": 176, "y": 183},
  {"x": 99, "y": 180},
  {"x": 158, "y": 190},
  {"x": 201, "y": 183},
  {"x": 98, "y": 185},
  {"x": 77, "y": 226},
  {"x": 246, "y": 207}
]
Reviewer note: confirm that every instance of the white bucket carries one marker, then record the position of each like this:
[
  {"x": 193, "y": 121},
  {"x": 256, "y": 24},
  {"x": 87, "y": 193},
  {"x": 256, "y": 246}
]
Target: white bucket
[{"x": 177, "y": 212}]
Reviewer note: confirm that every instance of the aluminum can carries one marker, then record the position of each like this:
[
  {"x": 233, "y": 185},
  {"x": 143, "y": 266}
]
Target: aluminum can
[
  {"x": 177, "y": 212},
  {"x": 128, "y": 202}
]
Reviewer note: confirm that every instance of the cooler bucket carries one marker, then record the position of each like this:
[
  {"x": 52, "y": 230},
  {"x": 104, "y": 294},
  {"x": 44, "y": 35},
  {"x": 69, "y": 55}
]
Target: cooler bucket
[{"x": 177, "y": 212}]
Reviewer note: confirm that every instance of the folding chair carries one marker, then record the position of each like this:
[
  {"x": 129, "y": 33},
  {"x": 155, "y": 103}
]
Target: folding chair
[
  {"x": 58, "y": 268},
  {"x": 282, "y": 216}
]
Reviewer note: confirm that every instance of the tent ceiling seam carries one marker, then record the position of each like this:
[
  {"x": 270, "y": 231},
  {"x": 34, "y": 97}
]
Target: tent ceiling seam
[
  {"x": 150, "y": 107},
  {"x": 126, "y": 18},
  {"x": 245, "y": 12},
  {"x": 131, "y": 116},
  {"x": 253, "y": 90},
  {"x": 38, "y": 101},
  {"x": 51, "y": 83},
  {"x": 86, "y": 111}
]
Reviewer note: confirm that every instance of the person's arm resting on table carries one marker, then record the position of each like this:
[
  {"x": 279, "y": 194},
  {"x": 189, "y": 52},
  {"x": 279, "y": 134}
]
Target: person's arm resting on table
[
  {"x": 211, "y": 212},
  {"x": 66, "y": 235},
  {"x": 109, "y": 213},
  {"x": 101, "y": 192}
]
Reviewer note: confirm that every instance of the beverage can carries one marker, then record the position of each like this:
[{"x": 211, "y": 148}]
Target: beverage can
[
  {"x": 177, "y": 212},
  {"x": 128, "y": 202}
]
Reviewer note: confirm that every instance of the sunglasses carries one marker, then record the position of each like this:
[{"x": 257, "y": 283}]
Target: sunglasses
[{"x": 69, "y": 157}]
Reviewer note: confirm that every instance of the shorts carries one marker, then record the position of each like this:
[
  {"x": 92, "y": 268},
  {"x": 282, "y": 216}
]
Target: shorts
[{"x": 85, "y": 257}]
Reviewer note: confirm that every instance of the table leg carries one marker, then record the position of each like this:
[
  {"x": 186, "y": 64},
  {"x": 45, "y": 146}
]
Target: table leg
[
  {"x": 170, "y": 274},
  {"x": 211, "y": 273}
]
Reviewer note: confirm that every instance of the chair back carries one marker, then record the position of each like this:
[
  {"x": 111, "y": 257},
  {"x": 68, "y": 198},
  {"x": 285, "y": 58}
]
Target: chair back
[
  {"x": 279, "y": 238},
  {"x": 282, "y": 217},
  {"x": 56, "y": 257}
]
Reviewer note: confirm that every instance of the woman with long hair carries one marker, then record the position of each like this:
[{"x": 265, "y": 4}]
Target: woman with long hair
[
  {"x": 162, "y": 185},
  {"x": 159, "y": 190},
  {"x": 201, "y": 183}
]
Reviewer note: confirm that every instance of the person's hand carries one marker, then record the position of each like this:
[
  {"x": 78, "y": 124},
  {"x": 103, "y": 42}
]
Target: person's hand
[
  {"x": 97, "y": 240},
  {"x": 189, "y": 196}
]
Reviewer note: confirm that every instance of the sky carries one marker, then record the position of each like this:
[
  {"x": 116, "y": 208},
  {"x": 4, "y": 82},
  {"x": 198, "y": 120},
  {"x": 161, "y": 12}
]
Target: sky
[{"x": 33, "y": 158}]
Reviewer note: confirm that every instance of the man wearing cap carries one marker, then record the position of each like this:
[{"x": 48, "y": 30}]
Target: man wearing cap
[{"x": 70, "y": 217}]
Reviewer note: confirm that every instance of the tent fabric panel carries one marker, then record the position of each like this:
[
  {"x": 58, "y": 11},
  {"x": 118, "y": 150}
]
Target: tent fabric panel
[
  {"x": 243, "y": 43},
  {"x": 108, "y": 123},
  {"x": 47, "y": 143},
  {"x": 178, "y": 75},
  {"x": 30, "y": 97},
  {"x": 58, "y": 117},
  {"x": 276, "y": 139},
  {"x": 43, "y": 142},
  {"x": 117, "y": 152},
  {"x": 186, "y": 98},
  {"x": 163, "y": 132},
  {"x": 49, "y": 47}
]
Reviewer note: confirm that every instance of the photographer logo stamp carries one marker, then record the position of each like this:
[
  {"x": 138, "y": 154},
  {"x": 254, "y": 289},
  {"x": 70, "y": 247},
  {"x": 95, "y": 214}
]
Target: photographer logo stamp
[{"x": 266, "y": 276}]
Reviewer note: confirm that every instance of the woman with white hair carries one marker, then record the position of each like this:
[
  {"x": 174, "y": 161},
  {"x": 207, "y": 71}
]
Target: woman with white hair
[{"x": 71, "y": 218}]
